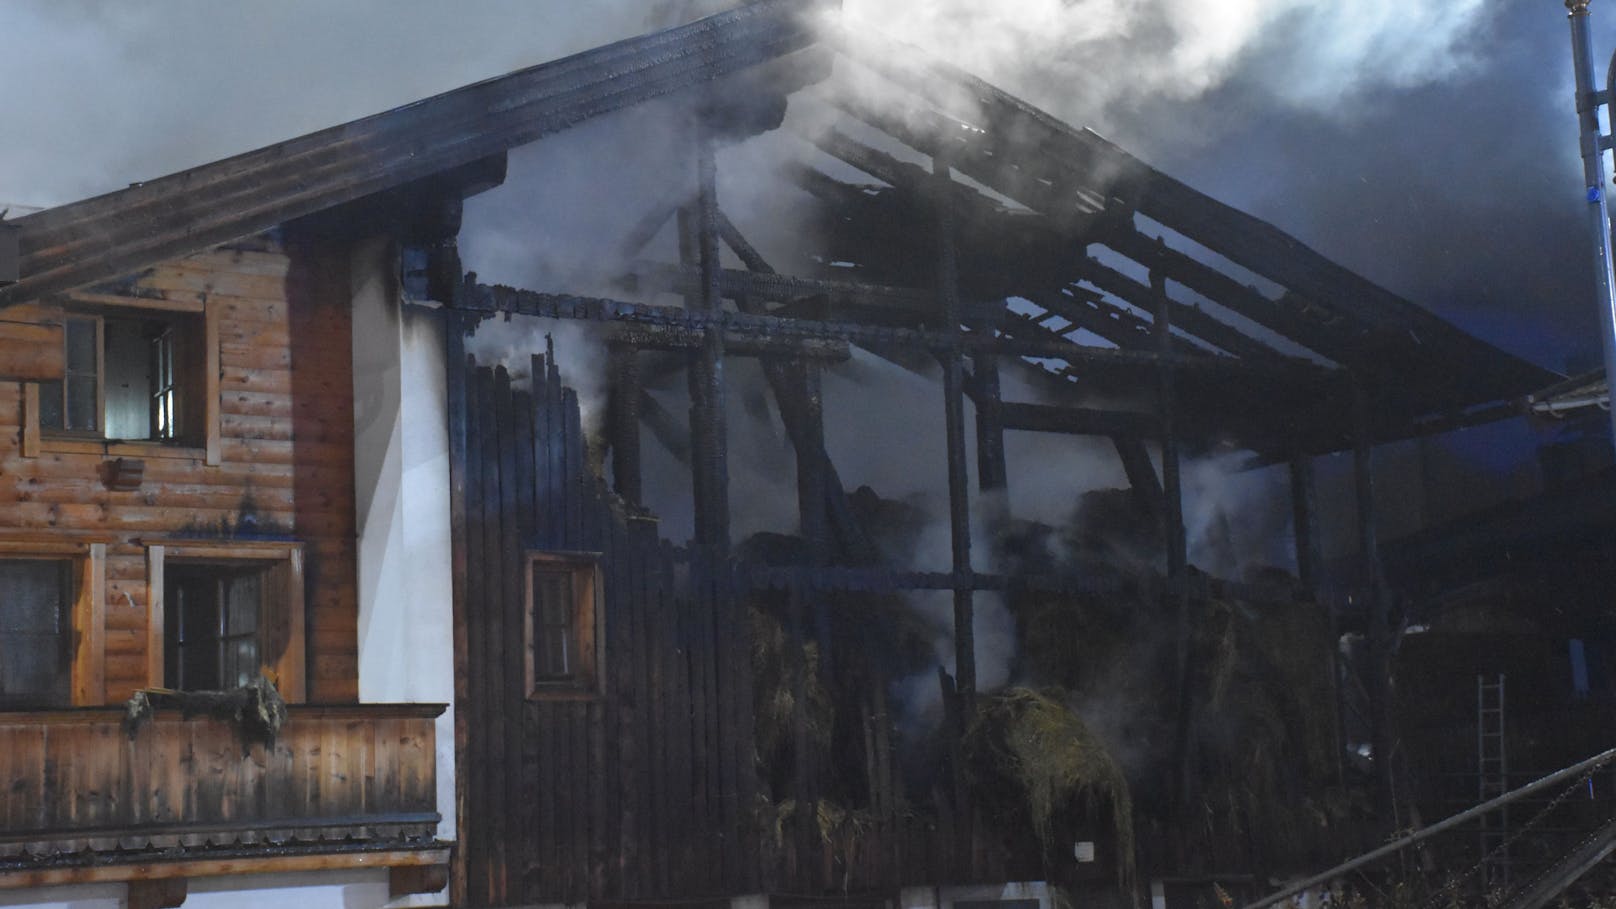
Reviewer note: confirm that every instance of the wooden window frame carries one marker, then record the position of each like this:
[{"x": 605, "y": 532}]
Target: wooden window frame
[
  {"x": 589, "y": 606},
  {"x": 289, "y": 671},
  {"x": 36, "y": 441},
  {"x": 89, "y": 611}
]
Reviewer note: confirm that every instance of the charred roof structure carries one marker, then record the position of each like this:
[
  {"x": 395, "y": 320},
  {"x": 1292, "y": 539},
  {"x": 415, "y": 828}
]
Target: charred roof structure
[{"x": 621, "y": 765}]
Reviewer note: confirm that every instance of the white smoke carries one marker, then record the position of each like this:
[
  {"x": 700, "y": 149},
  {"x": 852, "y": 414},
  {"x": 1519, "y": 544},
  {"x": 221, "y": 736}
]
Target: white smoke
[{"x": 1092, "y": 60}]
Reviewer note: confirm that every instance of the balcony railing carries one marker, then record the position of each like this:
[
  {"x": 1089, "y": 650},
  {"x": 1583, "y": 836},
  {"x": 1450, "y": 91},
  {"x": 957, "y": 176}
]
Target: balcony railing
[{"x": 77, "y": 781}]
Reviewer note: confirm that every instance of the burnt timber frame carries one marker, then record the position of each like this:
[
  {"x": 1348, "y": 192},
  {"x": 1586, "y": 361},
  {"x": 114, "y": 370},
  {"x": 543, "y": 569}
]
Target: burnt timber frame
[
  {"x": 1084, "y": 204},
  {"x": 1322, "y": 353}
]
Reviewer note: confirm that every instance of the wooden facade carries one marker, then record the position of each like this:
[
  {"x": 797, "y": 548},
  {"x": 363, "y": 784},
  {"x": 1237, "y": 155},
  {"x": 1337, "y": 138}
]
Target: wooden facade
[
  {"x": 260, "y": 485},
  {"x": 81, "y": 780},
  {"x": 646, "y": 786},
  {"x": 272, "y": 465}
]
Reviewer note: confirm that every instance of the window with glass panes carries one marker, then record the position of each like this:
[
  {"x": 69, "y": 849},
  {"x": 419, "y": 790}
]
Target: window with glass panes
[
  {"x": 127, "y": 377},
  {"x": 36, "y": 596},
  {"x": 213, "y": 614},
  {"x": 562, "y": 592}
]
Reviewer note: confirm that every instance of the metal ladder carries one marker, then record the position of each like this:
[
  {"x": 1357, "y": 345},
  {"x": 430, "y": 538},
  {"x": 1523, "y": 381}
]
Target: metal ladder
[{"x": 1492, "y": 776}]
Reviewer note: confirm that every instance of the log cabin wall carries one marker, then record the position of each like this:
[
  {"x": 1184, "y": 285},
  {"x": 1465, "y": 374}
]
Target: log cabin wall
[{"x": 276, "y": 462}]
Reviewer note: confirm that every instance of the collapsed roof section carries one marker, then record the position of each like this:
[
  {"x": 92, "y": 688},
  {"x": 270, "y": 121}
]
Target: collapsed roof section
[{"x": 1050, "y": 255}]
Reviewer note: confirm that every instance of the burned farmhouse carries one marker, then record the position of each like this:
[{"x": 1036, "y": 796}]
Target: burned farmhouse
[{"x": 579, "y": 591}]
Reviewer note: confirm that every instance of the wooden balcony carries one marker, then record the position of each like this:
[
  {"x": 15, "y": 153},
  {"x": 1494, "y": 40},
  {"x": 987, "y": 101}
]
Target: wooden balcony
[{"x": 338, "y": 778}]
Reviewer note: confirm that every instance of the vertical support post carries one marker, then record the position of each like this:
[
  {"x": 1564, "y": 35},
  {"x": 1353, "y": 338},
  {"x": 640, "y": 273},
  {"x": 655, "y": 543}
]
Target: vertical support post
[
  {"x": 455, "y": 326},
  {"x": 1305, "y": 522},
  {"x": 1363, "y": 472},
  {"x": 1172, "y": 484},
  {"x": 991, "y": 474},
  {"x": 709, "y": 462},
  {"x": 625, "y": 422},
  {"x": 959, "y": 513},
  {"x": 954, "y": 412},
  {"x": 1593, "y": 173},
  {"x": 1173, "y": 533},
  {"x": 811, "y": 462},
  {"x": 811, "y": 496}
]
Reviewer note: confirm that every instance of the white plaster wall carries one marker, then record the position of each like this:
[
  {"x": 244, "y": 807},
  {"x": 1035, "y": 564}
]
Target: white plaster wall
[
  {"x": 363, "y": 889},
  {"x": 401, "y": 472}
]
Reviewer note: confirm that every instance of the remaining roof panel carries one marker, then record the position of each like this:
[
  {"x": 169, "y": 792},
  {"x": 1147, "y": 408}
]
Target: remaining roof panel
[{"x": 99, "y": 238}]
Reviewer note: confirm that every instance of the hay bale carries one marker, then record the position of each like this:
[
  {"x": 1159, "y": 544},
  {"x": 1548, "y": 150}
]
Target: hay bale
[{"x": 1031, "y": 743}]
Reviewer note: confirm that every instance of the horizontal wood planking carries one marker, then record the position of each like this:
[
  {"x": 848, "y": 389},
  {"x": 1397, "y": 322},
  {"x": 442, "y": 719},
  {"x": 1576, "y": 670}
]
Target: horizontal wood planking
[{"x": 286, "y": 446}]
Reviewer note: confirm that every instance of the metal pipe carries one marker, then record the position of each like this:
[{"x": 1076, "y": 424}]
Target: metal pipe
[
  {"x": 1593, "y": 172},
  {"x": 1470, "y": 814}
]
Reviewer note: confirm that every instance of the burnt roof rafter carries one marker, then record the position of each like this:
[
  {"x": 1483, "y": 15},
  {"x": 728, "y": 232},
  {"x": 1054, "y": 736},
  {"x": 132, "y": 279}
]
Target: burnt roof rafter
[
  {"x": 1080, "y": 228},
  {"x": 1049, "y": 166},
  {"x": 1078, "y": 190}
]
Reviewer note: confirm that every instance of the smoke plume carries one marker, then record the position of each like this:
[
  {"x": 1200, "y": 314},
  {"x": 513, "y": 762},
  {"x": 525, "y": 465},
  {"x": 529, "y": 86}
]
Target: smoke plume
[{"x": 1090, "y": 61}]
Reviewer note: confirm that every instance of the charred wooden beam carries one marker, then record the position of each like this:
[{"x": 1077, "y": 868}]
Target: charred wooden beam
[
  {"x": 668, "y": 429},
  {"x": 959, "y": 515},
  {"x": 1174, "y": 538},
  {"x": 1006, "y": 166},
  {"x": 1185, "y": 316},
  {"x": 649, "y": 225},
  {"x": 1057, "y": 162},
  {"x": 1091, "y": 312},
  {"x": 742, "y": 247},
  {"x": 1316, "y": 330},
  {"x": 457, "y": 325},
  {"x": 1305, "y": 522},
  {"x": 1054, "y": 169},
  {"x": 991, "y": 473},
  {"x": 1080, "y": 228},
  {"x": 99, "y": 238},
  {"x": 1375, "y": 602},
  {"x": 1141, "y": 473},
  {"x": 710, "y": 467},
  {"x": 801, "y": 410},
  {"x": 497, "y": 298},
  {"x": 778, "y": 288},
  {"x": 674, "y": 337},
  {"x": 811, "y": 461},
  {"x": 1079, "y": 421}
]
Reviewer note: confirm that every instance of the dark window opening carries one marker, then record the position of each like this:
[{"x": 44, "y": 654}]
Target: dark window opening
[
  {"x": 36, "y": 597},
  {"x": 127, "y": 378},
  {"x": 562, "y": 592},
  {"x": 213, "y": 617},
  {"x": 555, "y": 635}
]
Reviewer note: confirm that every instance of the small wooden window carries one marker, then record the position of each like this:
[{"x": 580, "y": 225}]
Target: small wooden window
[
  {"x": 129, "y": 377},
  {"x": 561, "y": 624},
  {"x": 36, "y": 632},
  {"x": 224, "y": 612},
  {"x": 213, "y": 613},
  {"x": 52, "y": 623}
]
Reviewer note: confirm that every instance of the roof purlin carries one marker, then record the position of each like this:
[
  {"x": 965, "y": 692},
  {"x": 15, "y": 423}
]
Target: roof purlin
[{"x": 1054, "y": 159}]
